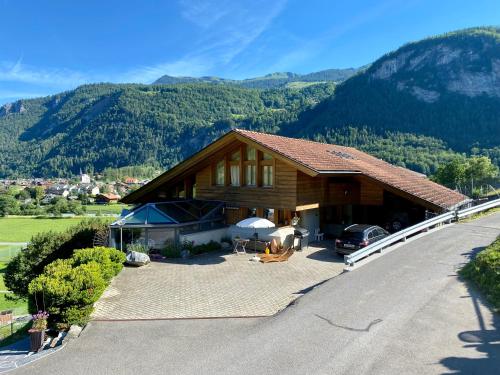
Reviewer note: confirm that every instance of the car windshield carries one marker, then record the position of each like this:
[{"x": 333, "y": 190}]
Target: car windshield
[{"x": 349, "y": 234}]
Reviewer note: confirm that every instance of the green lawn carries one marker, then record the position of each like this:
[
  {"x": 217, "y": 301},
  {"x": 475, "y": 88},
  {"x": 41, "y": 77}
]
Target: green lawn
[
  {"x": 114, "y": 209},
  {"x": 21, "y": 229},
  {"x": 8, "y": 251},
  {"x": 20, "y": 307}
]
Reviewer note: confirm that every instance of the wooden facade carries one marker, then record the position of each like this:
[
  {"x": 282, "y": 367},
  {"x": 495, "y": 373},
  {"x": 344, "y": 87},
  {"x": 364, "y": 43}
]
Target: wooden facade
[{"x": 254, "y": 180}]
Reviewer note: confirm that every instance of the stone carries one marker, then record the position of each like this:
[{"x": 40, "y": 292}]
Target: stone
[
  {"x": 135, "y": 258},
  {"x": 74, "y": 331}
]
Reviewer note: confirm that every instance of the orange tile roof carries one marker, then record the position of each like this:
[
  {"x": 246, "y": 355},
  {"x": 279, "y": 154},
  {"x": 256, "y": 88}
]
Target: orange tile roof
[{"x": 323, "y": 157}]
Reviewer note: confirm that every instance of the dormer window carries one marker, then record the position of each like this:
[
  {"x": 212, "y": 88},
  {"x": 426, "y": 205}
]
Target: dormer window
[
  {"x": 219, "y": 173},
  {"x": 235, "y": 169}
]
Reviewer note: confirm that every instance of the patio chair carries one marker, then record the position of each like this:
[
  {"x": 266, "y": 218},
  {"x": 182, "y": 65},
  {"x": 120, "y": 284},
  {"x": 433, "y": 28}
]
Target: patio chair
[
  {"x": 318, "y": 236},
  {"x": 270, "y": 258}
]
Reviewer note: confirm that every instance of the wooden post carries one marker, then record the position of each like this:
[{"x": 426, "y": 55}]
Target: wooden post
[
  {"x": 259, "y": 172},
  {"x": 242, "y": 175}
]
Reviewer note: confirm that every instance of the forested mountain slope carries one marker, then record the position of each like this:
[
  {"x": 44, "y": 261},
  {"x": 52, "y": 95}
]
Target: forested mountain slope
[
  {"x": 446, "y": 87},
  {"x": 105, "y": 125},
  {"x": 416, "y": 107},
  {"x": 273, "y": 80}
]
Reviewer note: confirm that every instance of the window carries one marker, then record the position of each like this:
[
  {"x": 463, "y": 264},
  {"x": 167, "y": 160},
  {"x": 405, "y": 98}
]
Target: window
[
  {"x": 267, "y": 175},
  {"x": 267, "y": 157},
  {"x": 235, "y": 156},
  {"x": 219, "y": 173},
  {"x": 269, "y": 214},
  {"x": 251, "y": 153},
  {"x": 251, "y": 175},
  {"x": 234, "y": 169},
  {"x": 235, "y": 175}
]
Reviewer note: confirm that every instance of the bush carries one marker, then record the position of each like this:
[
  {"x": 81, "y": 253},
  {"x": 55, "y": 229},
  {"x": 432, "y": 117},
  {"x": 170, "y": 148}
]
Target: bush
[
  {"x": 68, "y": 288},
  {"x": 138, "y": 247},
  {"x": 45, "y": 248},
  {"x": 205, "y": 248},
  {"x": 484, "y": 272},
  {"x": 110, "y": 260},
  {"x": 171, "y": 250}
]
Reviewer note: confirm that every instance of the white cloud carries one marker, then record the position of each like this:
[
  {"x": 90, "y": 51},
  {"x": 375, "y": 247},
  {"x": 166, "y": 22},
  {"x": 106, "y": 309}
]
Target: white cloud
[
  {"x": 19, "y": 94},
  {"x": 19, "y": 72},
  {"x": 228, "y": 29}
]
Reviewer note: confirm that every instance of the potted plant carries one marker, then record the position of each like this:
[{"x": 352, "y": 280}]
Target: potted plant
[
  {"x": 37, "y": 330},
  {"x": 187, "y": 248}
]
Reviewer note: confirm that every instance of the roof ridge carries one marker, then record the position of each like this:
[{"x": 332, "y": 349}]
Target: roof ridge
[{"x": 285, "y": 137}]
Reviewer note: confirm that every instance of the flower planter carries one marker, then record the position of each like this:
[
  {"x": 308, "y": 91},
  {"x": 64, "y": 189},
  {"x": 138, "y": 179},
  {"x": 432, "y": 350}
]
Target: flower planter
[{"x": 37, "y": 339}]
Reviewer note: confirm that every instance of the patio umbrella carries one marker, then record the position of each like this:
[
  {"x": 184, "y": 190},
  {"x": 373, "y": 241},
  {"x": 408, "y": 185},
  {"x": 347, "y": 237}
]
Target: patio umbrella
[{"x": 255, "y": 223}]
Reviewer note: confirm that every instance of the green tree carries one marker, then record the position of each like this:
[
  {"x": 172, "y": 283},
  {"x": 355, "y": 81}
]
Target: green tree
[
  {"x": 59, "y": 207},
  {"x": 453, "y": 173},
  {"x": 38, "y": 194},
  {"x": 480, "y": 169},
  {"x": 22, "y": 195},
  {"x": 8, "y": 205}
]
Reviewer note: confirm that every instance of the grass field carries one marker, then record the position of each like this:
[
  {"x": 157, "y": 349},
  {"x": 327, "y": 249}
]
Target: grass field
[
  {"x": 19, "y": 307},
  {"x": 21, "y": 229},
  {"x": 103, "y": 209}
]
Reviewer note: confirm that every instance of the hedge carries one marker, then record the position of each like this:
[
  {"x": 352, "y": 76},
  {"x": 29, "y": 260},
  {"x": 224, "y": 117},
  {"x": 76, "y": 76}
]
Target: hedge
[
  {"x": 68, "y": 288},
  {"x": 484, "y": 272},
  {"x": 45, "y": 248}
]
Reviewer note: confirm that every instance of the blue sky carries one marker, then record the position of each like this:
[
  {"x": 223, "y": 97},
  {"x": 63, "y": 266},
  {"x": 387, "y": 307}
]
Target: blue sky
[{"x": 55, "y": 45}]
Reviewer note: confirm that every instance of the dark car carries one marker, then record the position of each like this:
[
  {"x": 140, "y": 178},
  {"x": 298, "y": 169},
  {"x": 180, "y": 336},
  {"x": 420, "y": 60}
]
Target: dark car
[{"x": 357, "y": 236}]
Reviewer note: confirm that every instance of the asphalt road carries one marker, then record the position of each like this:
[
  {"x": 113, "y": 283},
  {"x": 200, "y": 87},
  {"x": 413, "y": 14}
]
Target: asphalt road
[{"x": 404, "y": 313}]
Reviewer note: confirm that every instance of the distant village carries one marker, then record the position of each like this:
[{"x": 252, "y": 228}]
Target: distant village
[{"x": 83, "y": 189}]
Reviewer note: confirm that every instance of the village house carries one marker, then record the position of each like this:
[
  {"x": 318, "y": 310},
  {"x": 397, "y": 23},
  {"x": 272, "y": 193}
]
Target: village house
[
  {"x": 245, "y": 173},
  {"x": 106, "y": 198}
]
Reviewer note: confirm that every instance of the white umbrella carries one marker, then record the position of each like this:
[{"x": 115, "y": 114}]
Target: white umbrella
[{"x": 255, "y": 222}]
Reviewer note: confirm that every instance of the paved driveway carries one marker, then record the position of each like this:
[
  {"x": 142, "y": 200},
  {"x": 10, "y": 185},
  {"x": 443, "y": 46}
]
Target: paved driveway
[
  {"x": 215, "y": 285},
  {"x": 403, "y": 313}
]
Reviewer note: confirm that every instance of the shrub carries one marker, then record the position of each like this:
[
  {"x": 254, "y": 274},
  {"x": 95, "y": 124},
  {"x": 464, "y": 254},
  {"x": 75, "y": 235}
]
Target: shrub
[
  {"x": 171, "y": 250},
  {"x": 205, "y": 248},
  {"x": 45, "y": 248},
  {"x": 110, "y": 260},
  {"x": 226, "y": 240},
  {"x": 138, "y": 247},
  {"x": 68, "y": 288},
  {"x": 484, "y": 272}
]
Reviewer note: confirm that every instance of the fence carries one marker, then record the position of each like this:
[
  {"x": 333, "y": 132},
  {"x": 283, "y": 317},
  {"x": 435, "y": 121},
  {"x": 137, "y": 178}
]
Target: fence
[
  {"x": 7, "y": 252},
  {"x": 447, "y": 217},
  {"x": 9, "y": 324}
]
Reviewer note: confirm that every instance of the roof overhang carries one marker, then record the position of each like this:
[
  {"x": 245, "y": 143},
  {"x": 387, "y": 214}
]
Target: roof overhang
[{"x": 200, "y": 158}]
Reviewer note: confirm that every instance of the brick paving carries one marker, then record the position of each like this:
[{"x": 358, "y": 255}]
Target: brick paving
[{"x": 215, "y": 285}]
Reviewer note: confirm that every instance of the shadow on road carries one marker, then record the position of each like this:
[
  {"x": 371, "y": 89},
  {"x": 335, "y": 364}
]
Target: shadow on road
[{"x": 486, "y": 341}]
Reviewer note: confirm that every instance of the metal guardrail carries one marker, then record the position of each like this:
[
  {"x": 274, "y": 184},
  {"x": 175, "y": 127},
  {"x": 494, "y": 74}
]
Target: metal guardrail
[
  {"x": 482, "y": 207},
  {"x": 424, "y": 225}
]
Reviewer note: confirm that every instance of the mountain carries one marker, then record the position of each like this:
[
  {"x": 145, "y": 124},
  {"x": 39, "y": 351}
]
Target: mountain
[
  {"x": 268, "y": 81},
  {"x": 416, "y": 107},
  {"x": 110, "y": 125},
  {"x": 446, "y": 87}
]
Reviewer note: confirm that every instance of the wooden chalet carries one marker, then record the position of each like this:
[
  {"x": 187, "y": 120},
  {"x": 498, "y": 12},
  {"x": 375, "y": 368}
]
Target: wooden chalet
[{"x": 327, "y": 186}]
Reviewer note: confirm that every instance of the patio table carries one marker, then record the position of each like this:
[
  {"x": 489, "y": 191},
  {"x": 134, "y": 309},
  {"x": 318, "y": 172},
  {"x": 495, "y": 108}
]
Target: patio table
[{"x": 240, "y": 245}]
